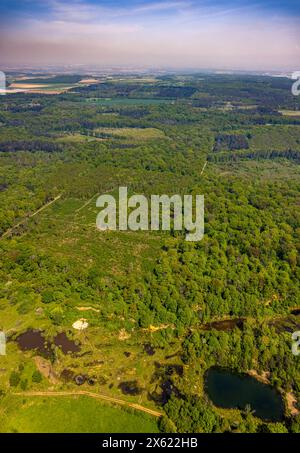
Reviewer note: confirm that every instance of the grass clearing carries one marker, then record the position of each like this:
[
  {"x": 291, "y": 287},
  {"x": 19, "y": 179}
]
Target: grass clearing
[
  {"x": 62, "y": 232},
  {"x": 78, "y": 414},
  {"x": 290, "y": 112},
  {"x": 275, "y": 137},
  {"x": 78, "y": 138},
  {"x": 133, "y": 133},
  {"x": 128, "y": 101}
]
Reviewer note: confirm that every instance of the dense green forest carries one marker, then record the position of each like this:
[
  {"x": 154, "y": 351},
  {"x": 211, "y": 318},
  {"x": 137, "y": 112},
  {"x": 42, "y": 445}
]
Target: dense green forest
[{"x": 161, "y": 310}]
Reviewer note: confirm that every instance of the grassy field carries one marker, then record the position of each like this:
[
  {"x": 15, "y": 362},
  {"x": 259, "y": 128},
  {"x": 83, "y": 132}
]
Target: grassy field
[
  {"x": 127, "y": 101},
  {"x": 54, "y": 88},
  {"x": 67, "y": 230},
  {"x": 78, "y": 414},
  {"x": 290, "y": 112},
  {"x": 78, "y": 138},
  {"x": 275, "y": 137},
  {"x": 136, "y": 134}
]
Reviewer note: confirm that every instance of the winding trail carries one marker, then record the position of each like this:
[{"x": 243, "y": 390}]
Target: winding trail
[{"x": 99, "y": 396}]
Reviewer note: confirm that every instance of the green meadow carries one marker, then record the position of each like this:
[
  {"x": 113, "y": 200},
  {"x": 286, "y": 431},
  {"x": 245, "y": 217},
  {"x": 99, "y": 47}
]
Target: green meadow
[{"x": 78, "y": 414}]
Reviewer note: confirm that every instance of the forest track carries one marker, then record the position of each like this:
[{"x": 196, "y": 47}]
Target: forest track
[
  {"x": 99, "y": 396},
  {"x": 91, "y": 199},
  {"x": 49, "y": 203}
]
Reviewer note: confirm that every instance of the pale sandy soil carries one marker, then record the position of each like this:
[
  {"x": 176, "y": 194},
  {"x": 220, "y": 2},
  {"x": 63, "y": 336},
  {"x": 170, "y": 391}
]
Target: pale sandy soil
[
  {"x": 36, "y": 88},
  {"x": 27, "y": 85},
  {"x": 45, "y": 369},
  {"x": 87, "y": 81},
  {"x": 290, "y": 112},
  {"x": 291, "y": 402},
  {"x": 123, "y": 335},
  {"x": 87, "y": 309},
  {"x": 264, "y": 377}
]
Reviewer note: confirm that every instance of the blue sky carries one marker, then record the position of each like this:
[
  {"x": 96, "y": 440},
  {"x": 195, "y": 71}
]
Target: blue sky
[
  {"x": 227, "y": 34},
  {"x": 40, "y": 7}
]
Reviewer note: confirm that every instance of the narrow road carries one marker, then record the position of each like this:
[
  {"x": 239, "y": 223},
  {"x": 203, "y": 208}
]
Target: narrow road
[
  {"x": 87, "y": 202},
  {"x": 203, "y": 168},
  {"x": 10, "y": 230},
  {"x": 91, "y": 199},
  {"x": 99, "y": 396},
  {"x": 46, "y": 205}
]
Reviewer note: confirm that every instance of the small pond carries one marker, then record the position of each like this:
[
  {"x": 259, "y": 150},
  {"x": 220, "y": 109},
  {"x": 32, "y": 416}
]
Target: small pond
[
  {"x": 34, "y": 340},
  {"x": 228, "y": 389},
  {"x": 61, "y": 340}
]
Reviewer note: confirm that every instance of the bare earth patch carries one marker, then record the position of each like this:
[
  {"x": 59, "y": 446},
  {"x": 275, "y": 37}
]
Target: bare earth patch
[
  {"x": 291, "y": 401},
  {"x": 45, "y": 368}
]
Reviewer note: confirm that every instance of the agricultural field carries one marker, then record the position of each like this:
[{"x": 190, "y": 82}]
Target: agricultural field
[
  {"x": 50, "y": 84},
  {"x": 159, "y": 312},
  {"x": 127, "y": 101},
  {"x": 88, "y": 416}
]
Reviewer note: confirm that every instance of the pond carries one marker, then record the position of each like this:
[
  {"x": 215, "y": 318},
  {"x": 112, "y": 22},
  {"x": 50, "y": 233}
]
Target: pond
[
  {"x": 225, "y": 324},
  {"x": 230, "y": 390},
  {"x": 34, "y": 340},
  {"x": 61, "y": 340}
]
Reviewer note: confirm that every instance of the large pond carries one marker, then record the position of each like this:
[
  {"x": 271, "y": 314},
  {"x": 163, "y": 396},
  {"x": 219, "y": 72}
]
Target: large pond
[{"x": 230, "y": 390}]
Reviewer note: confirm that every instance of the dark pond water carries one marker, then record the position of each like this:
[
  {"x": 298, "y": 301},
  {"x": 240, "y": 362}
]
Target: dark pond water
[
  {"x": 149, "y": 349},
  {"x": 67, "y": 375},
  {"x": 65, "y": 343},
  {"x": 130, "y": 388},
  {"x": 34, "y": 340},
  {"x": 230, "y": 390},
  {"x": 80, "y": 379},
  {"x": 225, "y": 324}
]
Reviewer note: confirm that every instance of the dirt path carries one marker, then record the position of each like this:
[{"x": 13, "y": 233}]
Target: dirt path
[
  {"x": 87, "y": 203},
  {"x": 91, "y": 199},
  {"x": 87, "y": 309},
  {"x": 99, "y": 396},
  {"x": 46, "y": 205},
  {"x": 10, "y": 230},
  {"x": 203, "y": 168}
]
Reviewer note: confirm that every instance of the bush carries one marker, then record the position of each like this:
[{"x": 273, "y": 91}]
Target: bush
[
  {"x": 37, "y": 377},
  {"x": 14, "y": 379}
]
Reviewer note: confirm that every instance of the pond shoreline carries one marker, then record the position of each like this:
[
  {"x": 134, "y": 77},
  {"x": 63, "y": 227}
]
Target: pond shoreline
[
  {"x": 232, "y": 389},
  {"x": 289, "y": 397}
]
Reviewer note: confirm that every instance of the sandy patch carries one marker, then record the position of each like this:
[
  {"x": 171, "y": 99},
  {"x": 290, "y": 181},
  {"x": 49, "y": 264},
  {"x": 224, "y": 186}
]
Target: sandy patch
[
  {"x": 291, "y": 401},
  {"x": 87, "y": 309},
  {"x": 45, "y": 368},
  {"x": 290, "y": 112},
  {"x": 263, "y": 377},
  {"x": 27, "y": 85},
  {"x": 123, "y": 335},
  {"x": 88, "y": 81},
  {"x": 81, "y": 324}
]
